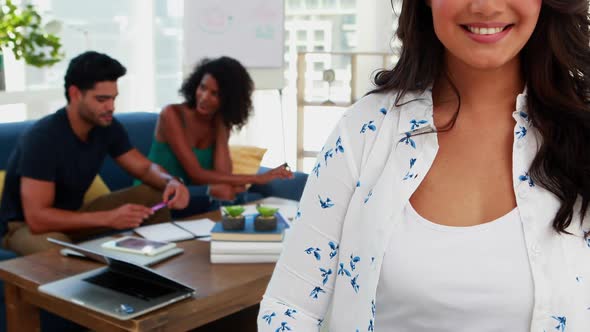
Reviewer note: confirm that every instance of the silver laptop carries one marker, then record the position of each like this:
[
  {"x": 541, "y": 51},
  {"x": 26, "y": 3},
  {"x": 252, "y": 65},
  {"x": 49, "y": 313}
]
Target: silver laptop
[{"x": 121, "y": 289}]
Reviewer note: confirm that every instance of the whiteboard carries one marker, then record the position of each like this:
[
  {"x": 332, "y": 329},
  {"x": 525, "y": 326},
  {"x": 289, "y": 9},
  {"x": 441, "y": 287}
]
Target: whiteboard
[{"x": 251, "y": 31}]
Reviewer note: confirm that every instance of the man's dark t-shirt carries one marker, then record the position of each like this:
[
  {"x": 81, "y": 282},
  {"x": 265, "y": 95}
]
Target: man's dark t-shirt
[{"x": 50, "y": 151}]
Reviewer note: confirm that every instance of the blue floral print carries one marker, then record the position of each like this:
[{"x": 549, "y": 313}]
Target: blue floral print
[
  {"x": 409, "y": 173},
  {"x": 334, "y": 248},
  {"x": 369, "y": 196},
  {"x": 353, "y": 261},
  {"x": 354, "y": 283},
  {"x": 283, "y": 327},
  {"x": 561, "y": 323},
  {"x": 521, "y": 132},
  {"x": 325, "y": 204},
  {"x": 408, "y": 140},
  {"x": 342, "y": 271},
  {"x": 325, "y": 275},
  {"x": 327, "y": 155},
  {"x": 383, "y": 111},
  {"x": 415, "y": 124},
  {"x": 339, "y": 147},
  {"x": 290, "y": 313},
  {"x": 315, "y": 252},
  {"x": 369, "y": 125},
  {"x": 316, "y": 170},
  {"x": 526, "y": 177},
  {"x": 315, "y": 292},
  {"x": 268, "y": 318}
]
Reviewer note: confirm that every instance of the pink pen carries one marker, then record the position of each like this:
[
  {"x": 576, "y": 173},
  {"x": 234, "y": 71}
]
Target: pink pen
[{"x": 158, "y": 206}]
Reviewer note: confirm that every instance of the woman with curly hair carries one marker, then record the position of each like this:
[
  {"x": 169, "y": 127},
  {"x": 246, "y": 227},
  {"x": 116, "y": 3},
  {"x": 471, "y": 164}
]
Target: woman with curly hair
[
  {"x": 191, "y": 139},
  {"x": 458, "y": 199}
]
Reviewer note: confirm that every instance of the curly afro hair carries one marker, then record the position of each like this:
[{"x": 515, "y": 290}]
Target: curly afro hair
[{"x": 235, "y": 88}]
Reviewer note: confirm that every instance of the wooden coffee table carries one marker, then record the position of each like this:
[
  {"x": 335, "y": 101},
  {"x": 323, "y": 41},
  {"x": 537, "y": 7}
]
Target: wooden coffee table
[{"x": 222, "y": 290}]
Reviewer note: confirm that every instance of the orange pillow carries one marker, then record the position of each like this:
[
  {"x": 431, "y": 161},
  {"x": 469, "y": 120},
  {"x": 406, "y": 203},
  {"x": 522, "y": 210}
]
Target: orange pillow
[
  {"x": 97, "y": 188},
  {"x": 246, "y": 159}
]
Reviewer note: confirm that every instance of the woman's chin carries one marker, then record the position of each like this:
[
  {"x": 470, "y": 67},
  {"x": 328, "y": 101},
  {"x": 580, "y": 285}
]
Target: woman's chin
[{"x": 205, "y": 112}]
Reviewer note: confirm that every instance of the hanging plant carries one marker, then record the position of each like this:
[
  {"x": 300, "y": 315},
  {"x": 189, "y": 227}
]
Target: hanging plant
[{"x": 22, "y": 33}]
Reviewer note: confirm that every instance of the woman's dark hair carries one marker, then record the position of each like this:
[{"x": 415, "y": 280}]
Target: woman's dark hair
[
  {"x": 89, "y": 68},
  {"x": 556, "y": 68},
  {"x": 235, "y": 88}
]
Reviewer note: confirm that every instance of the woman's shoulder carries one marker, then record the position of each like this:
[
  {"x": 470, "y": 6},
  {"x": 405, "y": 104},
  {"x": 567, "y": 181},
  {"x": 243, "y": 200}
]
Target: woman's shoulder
[
  {"x": 172, "y": 113},
  {"x": 172, "y": 108}
]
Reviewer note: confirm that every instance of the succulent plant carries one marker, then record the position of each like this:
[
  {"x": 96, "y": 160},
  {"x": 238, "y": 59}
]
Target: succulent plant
[
  {"x": 234, "y": 210},
  {"x": 266, "y": 211}
]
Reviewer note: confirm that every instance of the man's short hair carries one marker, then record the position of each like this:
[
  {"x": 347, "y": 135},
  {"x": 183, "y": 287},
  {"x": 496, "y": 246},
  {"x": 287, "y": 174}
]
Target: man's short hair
[{"x": 88, "y": 68}]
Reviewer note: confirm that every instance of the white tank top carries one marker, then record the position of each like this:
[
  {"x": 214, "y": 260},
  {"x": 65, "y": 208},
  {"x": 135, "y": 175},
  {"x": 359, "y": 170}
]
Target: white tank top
[{"x": 442, "y": 278}]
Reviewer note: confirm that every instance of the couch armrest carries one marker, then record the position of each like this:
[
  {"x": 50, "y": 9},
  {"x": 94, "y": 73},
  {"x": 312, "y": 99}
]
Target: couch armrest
[{"x": 289, "y": 189}]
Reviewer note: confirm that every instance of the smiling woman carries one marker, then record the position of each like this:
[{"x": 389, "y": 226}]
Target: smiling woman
[
  {"x": 458, "y": 195},
  {"x": 484, "y": 33}
]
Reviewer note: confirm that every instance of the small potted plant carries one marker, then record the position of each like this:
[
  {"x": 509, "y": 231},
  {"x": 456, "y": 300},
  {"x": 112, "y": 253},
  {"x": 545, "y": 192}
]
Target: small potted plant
[
  {"x": 233, "y": 220},
  {"x": 266, "y": 220}
]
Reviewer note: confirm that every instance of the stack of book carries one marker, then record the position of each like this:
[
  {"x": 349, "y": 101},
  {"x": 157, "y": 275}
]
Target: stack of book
[{"x": 248, "y": 245}]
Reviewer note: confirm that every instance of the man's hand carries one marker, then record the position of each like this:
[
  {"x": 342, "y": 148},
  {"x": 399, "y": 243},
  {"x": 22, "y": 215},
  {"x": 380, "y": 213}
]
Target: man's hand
[
  {"x": 175, "y": 195},
  {"x": 225, "y": 192},
  {"x": 127, "y": 216}
]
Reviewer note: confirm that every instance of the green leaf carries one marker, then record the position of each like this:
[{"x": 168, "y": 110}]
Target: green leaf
[
  {"x": 234, "y": 210},
  {"x": 266, "y": 211},
  {"x": 21, "y": 31}
]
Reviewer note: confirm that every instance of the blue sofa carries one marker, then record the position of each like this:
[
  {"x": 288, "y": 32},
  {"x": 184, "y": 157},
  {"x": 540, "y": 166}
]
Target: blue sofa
[{"x": 140, "y": 127}]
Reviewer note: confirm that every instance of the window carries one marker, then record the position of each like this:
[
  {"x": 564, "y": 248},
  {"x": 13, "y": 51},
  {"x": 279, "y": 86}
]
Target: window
[
  {"x": 348, "y": 4},
  {"x": 301, "y": 35},
  {"x": 312, "y": 4},
  {"x": 294, "y": 4},
  {"x": 319, "y": 35}
]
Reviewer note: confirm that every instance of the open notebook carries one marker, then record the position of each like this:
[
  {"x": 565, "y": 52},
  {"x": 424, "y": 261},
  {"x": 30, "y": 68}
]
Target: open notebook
[{"x": 176, "y": 230}]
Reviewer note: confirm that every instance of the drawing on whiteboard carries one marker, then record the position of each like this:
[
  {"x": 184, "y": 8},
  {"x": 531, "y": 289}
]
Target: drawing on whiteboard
[
  {"x": 265, "y": 12},
  {"x": 265, "y": 32},
  {"x": 214, "y": 20},
  {"x": 251, "y": 31}
]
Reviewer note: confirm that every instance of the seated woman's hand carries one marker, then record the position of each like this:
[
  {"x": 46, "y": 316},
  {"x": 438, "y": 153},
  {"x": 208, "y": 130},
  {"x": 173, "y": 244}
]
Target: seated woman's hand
[{"x": 281, "y": 172}]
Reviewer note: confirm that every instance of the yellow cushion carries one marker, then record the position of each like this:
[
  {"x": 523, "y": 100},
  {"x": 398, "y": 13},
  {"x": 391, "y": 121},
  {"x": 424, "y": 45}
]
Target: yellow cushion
[
  {"x": 246, "y": 159},
  {"x": 2, "y": 173},
  {"x": 97, "y": 189}
]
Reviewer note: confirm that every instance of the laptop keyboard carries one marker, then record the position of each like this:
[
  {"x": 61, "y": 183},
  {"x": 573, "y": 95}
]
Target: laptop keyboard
[{"x": 139, "y": 288}]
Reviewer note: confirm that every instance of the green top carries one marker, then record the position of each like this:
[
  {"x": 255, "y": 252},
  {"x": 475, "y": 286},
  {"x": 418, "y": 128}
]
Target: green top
[{"x": 161, "y": 154}]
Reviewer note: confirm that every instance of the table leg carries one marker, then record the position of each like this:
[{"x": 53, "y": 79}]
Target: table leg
[{"x": 20, "y": 315}]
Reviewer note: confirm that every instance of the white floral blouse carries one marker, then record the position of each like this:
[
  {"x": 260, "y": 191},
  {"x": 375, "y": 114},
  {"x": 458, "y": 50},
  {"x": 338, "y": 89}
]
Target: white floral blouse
[{"x": 353, "y": 201}]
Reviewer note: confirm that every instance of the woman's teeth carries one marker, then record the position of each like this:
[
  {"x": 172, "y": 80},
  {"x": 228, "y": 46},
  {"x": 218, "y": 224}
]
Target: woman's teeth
[{"x": 484, "y": 31}]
